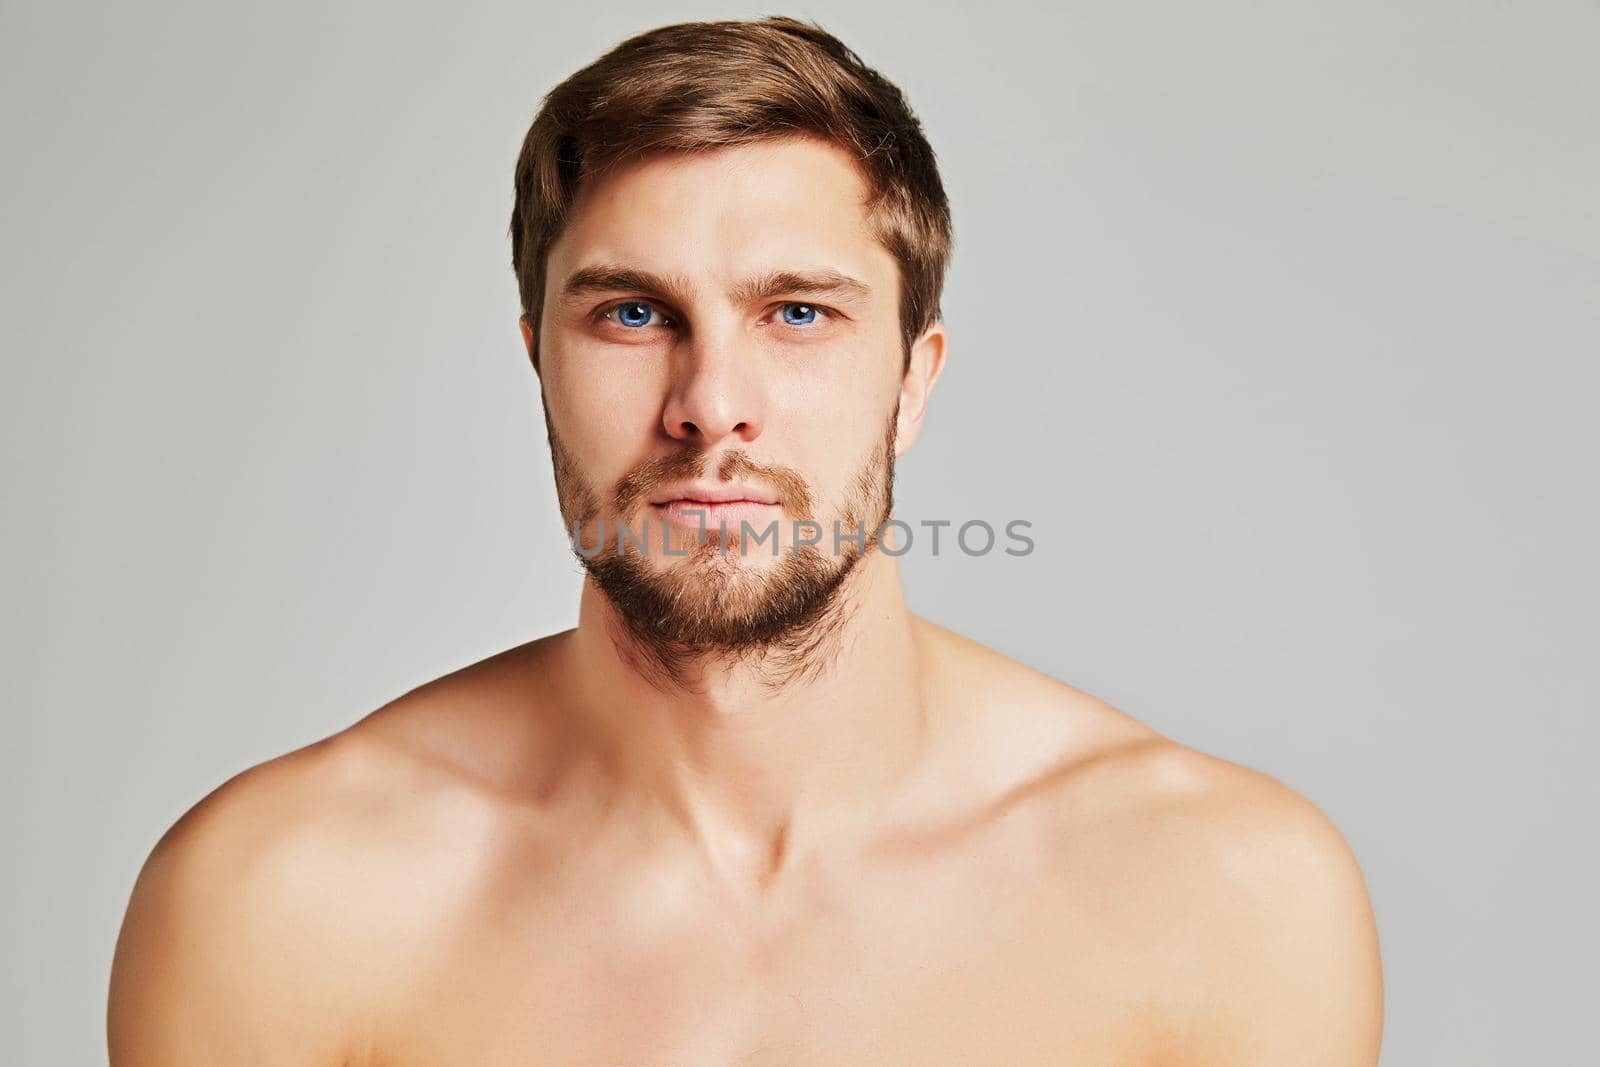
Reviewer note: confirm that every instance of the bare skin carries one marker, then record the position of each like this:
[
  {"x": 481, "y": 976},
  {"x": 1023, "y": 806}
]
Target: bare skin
[
  {"x": 461, "y": 878},
  {"x": 924, "y": 853}
]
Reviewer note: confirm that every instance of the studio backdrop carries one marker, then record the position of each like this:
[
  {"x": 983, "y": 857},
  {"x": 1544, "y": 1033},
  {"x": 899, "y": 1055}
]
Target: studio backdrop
[{"x": 1277, "y": 322}]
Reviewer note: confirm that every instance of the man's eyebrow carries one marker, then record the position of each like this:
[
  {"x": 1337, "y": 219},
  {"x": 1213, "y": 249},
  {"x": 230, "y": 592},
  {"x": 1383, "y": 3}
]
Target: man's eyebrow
[
  {"x": 604, "y": 278},
  {"x": 824, "y": 283}
]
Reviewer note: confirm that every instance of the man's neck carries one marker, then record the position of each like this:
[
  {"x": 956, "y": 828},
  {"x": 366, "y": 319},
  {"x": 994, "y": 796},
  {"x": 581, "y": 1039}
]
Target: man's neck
[{"x": 756, "y": 775}]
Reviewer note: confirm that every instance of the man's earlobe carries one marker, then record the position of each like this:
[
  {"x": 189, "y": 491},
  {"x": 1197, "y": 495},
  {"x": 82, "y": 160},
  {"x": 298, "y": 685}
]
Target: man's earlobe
[{"x": 916, "y": 385}]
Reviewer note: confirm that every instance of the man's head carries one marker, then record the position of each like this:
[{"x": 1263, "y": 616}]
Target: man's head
[{"x": 730, "y": 241}]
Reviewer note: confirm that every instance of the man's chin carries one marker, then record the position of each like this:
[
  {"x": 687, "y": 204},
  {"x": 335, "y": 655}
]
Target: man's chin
[
  {"x": 706, "y": 578},
  {"x": 713, "y": 599}
]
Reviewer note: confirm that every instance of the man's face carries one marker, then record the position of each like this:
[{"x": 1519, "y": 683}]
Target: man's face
[{"x": 722, "y": 323}]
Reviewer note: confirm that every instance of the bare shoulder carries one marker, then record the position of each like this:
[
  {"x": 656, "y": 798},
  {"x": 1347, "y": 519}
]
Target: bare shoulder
[
  {"x": 1235, "y": 910},
  {"x": 1206, "y": 823},
  {"x": 217, "y": 960},
  {"x": 1235, "y": 896},
  {"x": 270, "y": 923}
]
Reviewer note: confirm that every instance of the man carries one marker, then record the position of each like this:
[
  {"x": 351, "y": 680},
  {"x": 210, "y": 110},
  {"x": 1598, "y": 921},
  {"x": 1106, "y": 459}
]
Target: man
[{"x": 750, "y": 810}]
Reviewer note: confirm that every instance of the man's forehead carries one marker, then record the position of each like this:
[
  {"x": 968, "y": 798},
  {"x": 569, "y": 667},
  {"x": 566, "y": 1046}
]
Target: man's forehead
[
  {"x": 777, "y": 167},
  {"x": 780, "y": 218},
  {"x": 741, "y": 211}
]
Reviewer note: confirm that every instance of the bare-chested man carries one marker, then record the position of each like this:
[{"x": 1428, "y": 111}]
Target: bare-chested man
[{"x": 750, "y": 810}]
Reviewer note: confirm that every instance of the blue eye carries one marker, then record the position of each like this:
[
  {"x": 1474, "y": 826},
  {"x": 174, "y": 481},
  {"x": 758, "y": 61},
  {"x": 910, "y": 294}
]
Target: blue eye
[
  {"x": 799, "y": 314},
  {"x": 634, "y": 313}
]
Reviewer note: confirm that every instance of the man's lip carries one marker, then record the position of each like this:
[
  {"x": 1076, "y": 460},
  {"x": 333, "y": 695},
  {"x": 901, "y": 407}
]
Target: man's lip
[
  {"x": 704, "y": 495},
  {"x": 701, "y": 501},
  {"x": 707, "y": 513}
]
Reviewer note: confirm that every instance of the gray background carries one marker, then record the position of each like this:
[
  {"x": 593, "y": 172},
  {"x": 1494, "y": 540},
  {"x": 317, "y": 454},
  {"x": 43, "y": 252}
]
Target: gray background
[{"x": 1277, "y": 320}]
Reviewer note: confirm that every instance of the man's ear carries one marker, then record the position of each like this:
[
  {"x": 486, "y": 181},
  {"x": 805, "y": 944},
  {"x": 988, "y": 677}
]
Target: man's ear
[
  {"x": 916, "y": 385},
  {"x": 529, "y": 341}
]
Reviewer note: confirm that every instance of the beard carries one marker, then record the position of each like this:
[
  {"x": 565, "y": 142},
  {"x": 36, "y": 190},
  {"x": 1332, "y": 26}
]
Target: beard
[{"x": 710, "y": 601}]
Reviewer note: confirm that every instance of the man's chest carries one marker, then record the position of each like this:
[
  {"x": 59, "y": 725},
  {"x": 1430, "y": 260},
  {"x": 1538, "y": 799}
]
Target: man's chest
[{"x": 951, "y": 969}]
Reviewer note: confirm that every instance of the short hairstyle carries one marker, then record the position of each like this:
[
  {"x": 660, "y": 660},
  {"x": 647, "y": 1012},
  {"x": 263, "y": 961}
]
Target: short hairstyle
[{"x": 696, "y": 86}]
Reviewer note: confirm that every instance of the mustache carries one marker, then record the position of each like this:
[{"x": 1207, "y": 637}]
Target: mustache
[{"x": 639, "y": 484}]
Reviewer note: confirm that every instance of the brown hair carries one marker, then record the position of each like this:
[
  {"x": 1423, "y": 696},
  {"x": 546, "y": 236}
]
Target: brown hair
[{"x": 696, "y": 86}]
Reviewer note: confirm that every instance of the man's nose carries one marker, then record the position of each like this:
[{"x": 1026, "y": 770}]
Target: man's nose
[{"x": 715, "y": 392}]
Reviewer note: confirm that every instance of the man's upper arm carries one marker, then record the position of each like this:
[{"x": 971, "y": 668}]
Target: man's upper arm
[{"x": 213, "y": 963}]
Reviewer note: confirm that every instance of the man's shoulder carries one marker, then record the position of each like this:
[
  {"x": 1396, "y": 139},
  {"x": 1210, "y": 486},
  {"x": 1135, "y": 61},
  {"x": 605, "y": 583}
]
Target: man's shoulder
[
  {"x": 405, "y": 773},
  {"x": 271, "y": 909},
  {"x": 229, "y": 948},
  {"x": 1203, "y": 823},
  {"x": 1104, "y": 775},
  {"x": 1102, "y": 767},
  {"x": 277, "y": 816},
  {"x": 1193, "y": 826},
  {"x": 1221, "y": 885},
  {"x": 1241, "y": 892},
  {"x": 1241, "y": 897}
]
